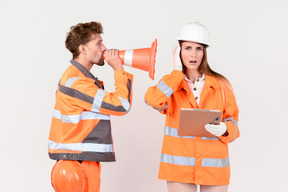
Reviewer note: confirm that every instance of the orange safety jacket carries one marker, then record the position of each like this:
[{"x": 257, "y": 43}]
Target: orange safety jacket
[
  {"x": 189, "y": 159},
  {"x": 80, "y": 128}
]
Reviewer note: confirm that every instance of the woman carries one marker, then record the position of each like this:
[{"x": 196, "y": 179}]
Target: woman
[{"x": 188, "y": 161}]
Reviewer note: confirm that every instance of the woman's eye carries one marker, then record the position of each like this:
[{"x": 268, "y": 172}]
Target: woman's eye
[
  {"x": 199, "y": 48},
  {"x": 187, "y": 48}
]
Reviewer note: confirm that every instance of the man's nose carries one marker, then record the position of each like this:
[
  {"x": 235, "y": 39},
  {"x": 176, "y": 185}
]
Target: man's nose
[{"x": 104, "y": 47}]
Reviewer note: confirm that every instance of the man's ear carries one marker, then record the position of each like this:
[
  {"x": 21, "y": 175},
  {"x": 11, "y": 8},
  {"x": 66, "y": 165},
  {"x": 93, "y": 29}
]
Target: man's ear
[{"x": 82, "y": 49}]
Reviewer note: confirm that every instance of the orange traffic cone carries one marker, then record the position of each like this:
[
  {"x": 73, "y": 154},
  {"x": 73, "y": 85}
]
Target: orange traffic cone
[{"x": 143, "y": 59}]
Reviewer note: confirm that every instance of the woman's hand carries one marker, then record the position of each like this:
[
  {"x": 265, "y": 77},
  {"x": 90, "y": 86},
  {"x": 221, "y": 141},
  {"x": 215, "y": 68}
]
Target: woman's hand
[
  {"x": 176, "y": 58},
  {"x": 217, "y": 130}
]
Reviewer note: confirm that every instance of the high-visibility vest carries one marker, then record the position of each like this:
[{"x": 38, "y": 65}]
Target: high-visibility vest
[
  {"x": 193, "y": 159},
  {"x": 81, "y": 128}
]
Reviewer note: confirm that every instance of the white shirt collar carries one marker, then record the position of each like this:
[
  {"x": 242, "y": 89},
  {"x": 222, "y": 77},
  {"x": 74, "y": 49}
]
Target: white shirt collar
[{"x": 200, "y": 79}]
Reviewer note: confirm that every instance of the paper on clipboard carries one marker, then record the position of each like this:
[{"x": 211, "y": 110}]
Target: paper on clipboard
[{"x": 192, "y": 121}]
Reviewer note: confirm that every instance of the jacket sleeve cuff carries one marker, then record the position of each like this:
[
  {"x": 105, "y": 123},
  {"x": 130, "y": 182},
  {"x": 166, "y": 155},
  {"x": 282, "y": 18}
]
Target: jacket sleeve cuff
[
  {"x": 231, "y": 133},
  {"x": 174, "y": 79}
]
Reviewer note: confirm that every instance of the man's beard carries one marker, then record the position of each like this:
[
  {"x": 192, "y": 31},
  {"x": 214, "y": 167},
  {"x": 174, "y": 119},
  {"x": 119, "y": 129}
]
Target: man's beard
[{"x": 100, "y": 62}]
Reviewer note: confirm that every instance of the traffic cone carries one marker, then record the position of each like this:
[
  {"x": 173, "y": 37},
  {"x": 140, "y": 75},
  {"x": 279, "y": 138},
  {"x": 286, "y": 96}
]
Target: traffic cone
[{"x": 143, "y": 59}]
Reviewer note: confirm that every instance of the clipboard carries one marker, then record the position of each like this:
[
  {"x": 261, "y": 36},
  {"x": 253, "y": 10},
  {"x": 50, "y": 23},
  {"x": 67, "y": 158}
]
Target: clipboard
[{"x": 192, "y": 121}]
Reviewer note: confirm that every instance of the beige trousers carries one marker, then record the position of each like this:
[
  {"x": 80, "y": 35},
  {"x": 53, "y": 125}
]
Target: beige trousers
[{"x": 187, "y": 187}]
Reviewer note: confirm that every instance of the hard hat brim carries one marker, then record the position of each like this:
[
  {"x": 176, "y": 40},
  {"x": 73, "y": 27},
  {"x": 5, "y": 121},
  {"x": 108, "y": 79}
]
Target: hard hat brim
[{"x": 201, "y": 43}]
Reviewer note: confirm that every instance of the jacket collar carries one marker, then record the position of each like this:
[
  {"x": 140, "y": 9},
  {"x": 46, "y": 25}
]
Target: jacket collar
[
  {"x": 86, "y": 72},
  {"x": 211, "y": 81}
]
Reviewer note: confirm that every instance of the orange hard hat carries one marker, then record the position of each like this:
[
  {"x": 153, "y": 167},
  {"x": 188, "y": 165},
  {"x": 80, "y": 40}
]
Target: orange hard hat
[{"x": 68, "y": 176}]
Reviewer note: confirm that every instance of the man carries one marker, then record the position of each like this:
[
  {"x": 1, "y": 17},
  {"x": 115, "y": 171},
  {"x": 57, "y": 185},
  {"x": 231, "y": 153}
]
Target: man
[{"x": 80, "y": 136}]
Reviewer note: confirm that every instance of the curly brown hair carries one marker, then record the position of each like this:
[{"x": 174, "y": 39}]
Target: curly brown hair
[{"x": 80, "y": 34}]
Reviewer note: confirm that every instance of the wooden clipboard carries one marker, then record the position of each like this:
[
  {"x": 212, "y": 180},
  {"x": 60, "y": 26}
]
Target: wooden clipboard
[{"x": 192, "y": 121}]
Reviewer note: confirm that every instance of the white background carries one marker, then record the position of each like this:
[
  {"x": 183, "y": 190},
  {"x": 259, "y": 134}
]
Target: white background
[{"x": 248, "y": 46}]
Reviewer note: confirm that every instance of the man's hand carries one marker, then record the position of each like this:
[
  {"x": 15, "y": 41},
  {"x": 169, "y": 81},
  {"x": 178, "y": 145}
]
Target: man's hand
[{"x": 113, "y": 59}]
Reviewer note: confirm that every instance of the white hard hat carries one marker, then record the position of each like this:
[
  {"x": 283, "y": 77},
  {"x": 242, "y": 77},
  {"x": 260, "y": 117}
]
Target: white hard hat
[{"x": 194, "y": 32}]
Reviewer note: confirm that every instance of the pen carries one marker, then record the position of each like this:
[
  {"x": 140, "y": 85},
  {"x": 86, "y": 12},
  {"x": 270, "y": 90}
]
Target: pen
[{"x": 215, "y": 120}]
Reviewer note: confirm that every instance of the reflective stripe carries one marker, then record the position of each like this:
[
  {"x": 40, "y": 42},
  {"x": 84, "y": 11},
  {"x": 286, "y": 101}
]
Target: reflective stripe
[
  {"x": 70, "y": 81},
  {"x": 125, "y": 104},
  {"x": 178, "y": 160},
  {"x": 76, "y": 118},
  {"x": 112, "y": 107},
  {"x": 91, "y": 147},
  {"x": 165, "y": 107},
  {"x": 206, "y": 162},
  {"x": 92, "y": 115},
  {"x": 174, "y": 133},
  {"x": 128, "y": 57},
  {"x": 129, "y": 89},
  {"x": 190, "y": 161},
  {"x": 210, "y": 138},
  {"x": 76, "y": 94},
  {"x": 233, "y": 122},
  {"x": 97, "y": 102},
  {"x": 231, "y": 119},
  {"x": 164, "y": 88},
  {"x": 234, "y": 133}
]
